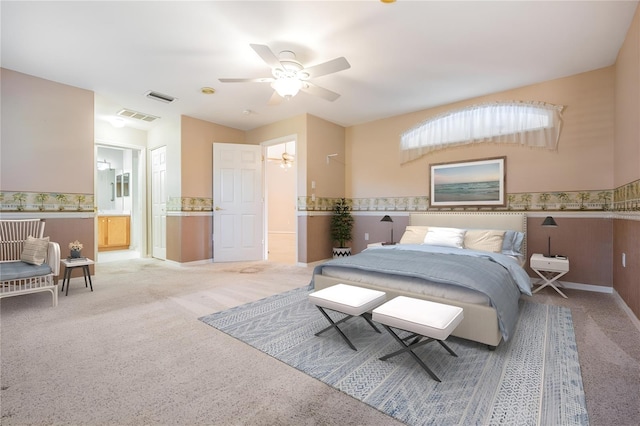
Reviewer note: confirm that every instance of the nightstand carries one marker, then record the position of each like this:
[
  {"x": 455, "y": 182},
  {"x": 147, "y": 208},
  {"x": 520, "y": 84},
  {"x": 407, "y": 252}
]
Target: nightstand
[
  {"x": 370, "y": 245},
  {"x": 550, "y": 269}
]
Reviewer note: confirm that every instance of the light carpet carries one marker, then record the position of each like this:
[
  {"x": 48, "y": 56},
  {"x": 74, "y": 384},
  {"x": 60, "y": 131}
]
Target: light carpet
[{"x": 532, "y": 379}]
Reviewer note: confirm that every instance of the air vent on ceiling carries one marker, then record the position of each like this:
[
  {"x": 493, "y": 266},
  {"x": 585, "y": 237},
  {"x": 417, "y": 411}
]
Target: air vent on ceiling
[
  {"x": 137, "y": 115},
  {"x": 160, "y": 97}
]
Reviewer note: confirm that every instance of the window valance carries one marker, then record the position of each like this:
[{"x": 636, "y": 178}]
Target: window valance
[{"x": 533, "y": 124}]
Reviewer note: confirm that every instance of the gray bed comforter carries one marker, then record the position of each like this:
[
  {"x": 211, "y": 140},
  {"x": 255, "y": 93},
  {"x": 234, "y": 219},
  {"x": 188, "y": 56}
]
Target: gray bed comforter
[{"x": 497, "y": 276}]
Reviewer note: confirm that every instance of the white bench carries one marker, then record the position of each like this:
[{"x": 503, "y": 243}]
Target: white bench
[
  {"x": 422, "y": 318},
  {"x": 17, "y": 277},
  {"x": 347, "y": 299}
]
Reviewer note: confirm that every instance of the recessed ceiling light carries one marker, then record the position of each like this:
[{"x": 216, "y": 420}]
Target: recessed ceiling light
[
  {"x": 118, "y": 122},
  {"x": 208, "y": 90}
]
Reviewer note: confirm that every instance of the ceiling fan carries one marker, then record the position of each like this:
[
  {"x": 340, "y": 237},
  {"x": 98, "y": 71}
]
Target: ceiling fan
[
  {"x": 285, "y": 159},
  {"x": 290, "y": 76}
]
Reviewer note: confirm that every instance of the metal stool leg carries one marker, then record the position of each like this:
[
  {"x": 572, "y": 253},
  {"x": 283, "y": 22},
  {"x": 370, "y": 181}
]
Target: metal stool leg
[
  {"x": 414, "y": 344},
  {"x": 335, "y": 325}
]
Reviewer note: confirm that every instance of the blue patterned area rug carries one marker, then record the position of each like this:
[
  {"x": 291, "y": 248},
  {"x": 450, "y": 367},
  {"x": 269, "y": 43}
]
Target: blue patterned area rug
[{"x": 534, "y": 379}]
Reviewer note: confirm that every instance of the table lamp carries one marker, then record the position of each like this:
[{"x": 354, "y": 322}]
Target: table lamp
[
  {"x": 387, "y": 218},
  {"x": 549, "y": 222}
]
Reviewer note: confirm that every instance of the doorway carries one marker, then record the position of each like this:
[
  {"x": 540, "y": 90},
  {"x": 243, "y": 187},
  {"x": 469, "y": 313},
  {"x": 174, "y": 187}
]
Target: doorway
[
  {"x": 280, "y": 196},
  {"x": 120, "y": 199}
]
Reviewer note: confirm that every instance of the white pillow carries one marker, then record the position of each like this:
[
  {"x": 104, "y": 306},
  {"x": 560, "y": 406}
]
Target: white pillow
[
  {"x": 484, "y": 240},
  {"x": 446, "y": 237},
  {"x": 414, "y": 235},
  {"x": 34, "y": 250}
]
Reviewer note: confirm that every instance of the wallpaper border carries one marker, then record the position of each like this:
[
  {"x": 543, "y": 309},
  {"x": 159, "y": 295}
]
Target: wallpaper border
[{"x": 625, "y": 198}]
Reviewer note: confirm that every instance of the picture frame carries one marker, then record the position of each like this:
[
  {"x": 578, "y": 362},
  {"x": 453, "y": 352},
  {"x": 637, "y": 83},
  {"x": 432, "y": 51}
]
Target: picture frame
[{"x": 468, "y": 183}]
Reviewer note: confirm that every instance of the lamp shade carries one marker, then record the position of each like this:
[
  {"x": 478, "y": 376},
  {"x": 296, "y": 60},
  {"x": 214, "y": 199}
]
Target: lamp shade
[
  {"x": 287, "y": 87},
  {"x": 549, "y": 221}
]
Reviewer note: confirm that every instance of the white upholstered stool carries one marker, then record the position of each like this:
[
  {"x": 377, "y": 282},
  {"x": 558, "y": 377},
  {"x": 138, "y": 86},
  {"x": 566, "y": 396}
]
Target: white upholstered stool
[
  {"x": 422, "y": 318},
  {"x": 351, "y": 300}
]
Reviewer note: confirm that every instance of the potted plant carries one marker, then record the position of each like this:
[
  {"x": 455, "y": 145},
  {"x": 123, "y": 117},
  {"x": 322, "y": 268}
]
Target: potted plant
[{"x": 341, "y": 227}]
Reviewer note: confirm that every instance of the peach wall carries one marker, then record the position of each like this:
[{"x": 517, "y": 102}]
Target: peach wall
[
  {"x": 197, "y": 138},
  {"x": 189, "y": 238},
  {"x": 626, "y": 233},
  {"x": 315, "y": 139},
  {"x": 325, "y": 138},
  {"x": 627, "y": 122},
  {"x": 48, "y": 127},
  {"x": 583, "y": 161},
  {"x": 281, "y": 197},
  {"x": 317, "y": 241},
  {"x": 295, "y": 127},
  {"x": 65, "y": 230},
  {"x": 589, "y": 253}
]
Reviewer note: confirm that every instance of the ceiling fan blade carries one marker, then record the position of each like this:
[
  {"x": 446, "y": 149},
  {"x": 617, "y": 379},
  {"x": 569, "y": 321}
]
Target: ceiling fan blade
[
  {"x": 247, "y": 80},
  {"x": 321, "y": 92},
  {"x": 267, "y": 55},
  {"x": 329, "y": 67},
  {"x": 275, "y": 99}
]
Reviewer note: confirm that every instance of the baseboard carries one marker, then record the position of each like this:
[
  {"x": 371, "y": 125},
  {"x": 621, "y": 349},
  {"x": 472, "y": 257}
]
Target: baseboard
[
  {"x": 627, "y": 309},
  {"x": 192, "y": 263},
  {"x": 586, "y": 287},
  {"x": 576, "y": 286},
  {"x": 313, "y": 264}
]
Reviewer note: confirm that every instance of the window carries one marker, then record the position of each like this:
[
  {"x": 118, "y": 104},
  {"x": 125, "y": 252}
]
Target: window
[{"x": 532, "y": 124}]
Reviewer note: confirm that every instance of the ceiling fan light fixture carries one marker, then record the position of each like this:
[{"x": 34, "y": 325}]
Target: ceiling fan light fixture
[{"x": 287, "y": 87}]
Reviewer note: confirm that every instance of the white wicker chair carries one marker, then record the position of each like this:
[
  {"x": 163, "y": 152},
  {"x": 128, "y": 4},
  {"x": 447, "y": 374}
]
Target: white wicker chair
[{"x": 18, "y": 277}]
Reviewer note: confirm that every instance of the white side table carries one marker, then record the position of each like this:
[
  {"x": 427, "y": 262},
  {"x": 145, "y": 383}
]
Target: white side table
[
  {"x": 550, "y": 269},
  {"x": 68, "y": 267},
  {"x": 370, "y": 245}
]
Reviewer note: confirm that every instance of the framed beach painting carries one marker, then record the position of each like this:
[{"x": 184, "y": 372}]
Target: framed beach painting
[{"x": 469, "y": 183}]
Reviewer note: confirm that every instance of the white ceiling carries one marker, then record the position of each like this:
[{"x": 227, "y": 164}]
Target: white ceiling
[{"x": 405, "y": 56}]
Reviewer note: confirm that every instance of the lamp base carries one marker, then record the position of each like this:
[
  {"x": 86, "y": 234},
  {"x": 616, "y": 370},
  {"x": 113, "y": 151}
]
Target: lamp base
[{"x": 389, "y": 244}]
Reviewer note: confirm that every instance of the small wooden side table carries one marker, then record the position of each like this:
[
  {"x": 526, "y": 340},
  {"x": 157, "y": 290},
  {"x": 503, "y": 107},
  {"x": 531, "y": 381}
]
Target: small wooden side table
[{"x": 69, "y": 265}]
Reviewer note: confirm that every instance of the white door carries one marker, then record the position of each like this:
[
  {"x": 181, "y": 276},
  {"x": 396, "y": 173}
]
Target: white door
[
  {"x": 159, "y": 202},
  {"x": 238, "y": 203}
]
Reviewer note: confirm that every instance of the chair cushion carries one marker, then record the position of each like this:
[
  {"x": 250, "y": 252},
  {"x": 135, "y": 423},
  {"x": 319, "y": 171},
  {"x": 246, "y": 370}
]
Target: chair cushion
[
  {"x": 430, "y": 319},
  {"x": 34, "y": 250},
  {"x": 348, "y": 299},
  {"x": 17, "y": 270}
]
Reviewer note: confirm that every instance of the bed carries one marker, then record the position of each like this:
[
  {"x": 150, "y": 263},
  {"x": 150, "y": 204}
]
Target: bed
[{"x": 472, "y": 260}]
